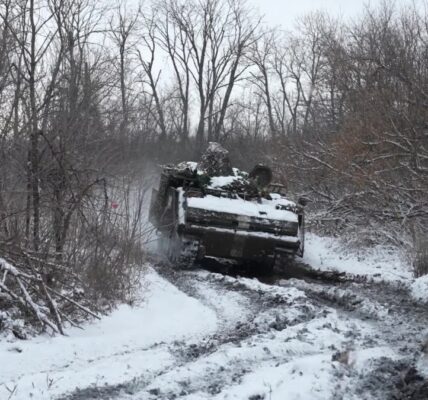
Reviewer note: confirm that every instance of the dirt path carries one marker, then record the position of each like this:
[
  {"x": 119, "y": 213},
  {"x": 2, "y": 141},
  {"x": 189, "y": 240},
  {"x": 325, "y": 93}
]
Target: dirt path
[{"x": 320, "y": 336}]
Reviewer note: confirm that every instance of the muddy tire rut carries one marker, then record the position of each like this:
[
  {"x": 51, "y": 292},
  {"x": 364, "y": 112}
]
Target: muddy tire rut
[{"x": 268, "y": 308}]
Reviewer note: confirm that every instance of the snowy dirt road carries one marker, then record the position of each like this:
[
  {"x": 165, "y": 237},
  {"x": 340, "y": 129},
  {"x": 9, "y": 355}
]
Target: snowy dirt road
[
  {"x": 216, "y": 333},
  {"x": 285, "y": 339}
]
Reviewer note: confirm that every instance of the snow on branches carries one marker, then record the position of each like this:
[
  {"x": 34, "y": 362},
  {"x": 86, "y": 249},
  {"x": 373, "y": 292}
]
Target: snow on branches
[{"x": 24, "y": 285}]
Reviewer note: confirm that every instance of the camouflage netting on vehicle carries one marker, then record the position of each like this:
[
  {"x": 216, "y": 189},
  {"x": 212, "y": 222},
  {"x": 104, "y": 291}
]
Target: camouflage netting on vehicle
[
  {"x": 215, "y": 161},
  {"x": 243, "y": 187},
  {"x": 214, "y": 172}
]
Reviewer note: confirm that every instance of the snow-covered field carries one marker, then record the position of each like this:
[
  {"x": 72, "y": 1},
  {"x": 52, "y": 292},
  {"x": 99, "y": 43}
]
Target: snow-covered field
[{"x": 203, "y": 335}]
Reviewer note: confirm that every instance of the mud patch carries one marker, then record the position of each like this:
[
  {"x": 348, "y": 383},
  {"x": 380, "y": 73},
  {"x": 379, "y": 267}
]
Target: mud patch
[
  {"x": 412, "y": 386},
  {"x": 395, "y": 380}
]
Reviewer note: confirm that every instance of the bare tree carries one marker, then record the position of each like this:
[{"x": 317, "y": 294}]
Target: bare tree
[
  {"x": 121, "y": 29},
  {"x": 218, "y": 34},
  {"x": 176, "y": 43},
  {"x": 262, "y": 52},
  {"x": 151, "y": 74}
]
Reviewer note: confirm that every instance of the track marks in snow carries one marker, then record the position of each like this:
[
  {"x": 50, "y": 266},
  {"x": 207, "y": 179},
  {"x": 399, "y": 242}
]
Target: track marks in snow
[
  {"x": 263, "y": 361},
  {"x": 287, "y": 333},
  {"x": 236, "y": 338}
]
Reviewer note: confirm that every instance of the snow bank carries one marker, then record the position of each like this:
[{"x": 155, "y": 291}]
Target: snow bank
[
  {"x": 419, "y": 289},
  {"x": 380, "y": 262},
  {"x": 120, "y": 347}
]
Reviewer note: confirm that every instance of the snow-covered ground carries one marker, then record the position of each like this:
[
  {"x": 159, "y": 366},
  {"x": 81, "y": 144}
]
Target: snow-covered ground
[
  {"x": 122, "y": 346},
  {"x": 203, "y": 335},
  {"x": 420, "y": 289},
  {"x": 381, "y": 263}
]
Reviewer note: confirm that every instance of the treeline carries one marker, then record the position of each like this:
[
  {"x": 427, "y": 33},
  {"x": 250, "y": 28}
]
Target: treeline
[
  {"x": 87, "y": 88},
  {"x": 361, "y": 144}
]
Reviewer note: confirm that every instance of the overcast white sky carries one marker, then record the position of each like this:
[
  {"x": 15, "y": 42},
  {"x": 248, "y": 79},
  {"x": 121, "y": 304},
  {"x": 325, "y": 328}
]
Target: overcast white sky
[{"x": 285, "y": 12}]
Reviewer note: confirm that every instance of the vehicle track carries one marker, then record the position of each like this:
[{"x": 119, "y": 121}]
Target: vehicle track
[{"x": 396, "y": 320}]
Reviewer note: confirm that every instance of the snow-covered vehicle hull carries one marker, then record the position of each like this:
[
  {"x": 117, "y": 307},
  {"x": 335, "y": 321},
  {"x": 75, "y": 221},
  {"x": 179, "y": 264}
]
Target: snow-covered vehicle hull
[
  {"x": 219, "y": 217},
  {"x": 240, "y": 229}
]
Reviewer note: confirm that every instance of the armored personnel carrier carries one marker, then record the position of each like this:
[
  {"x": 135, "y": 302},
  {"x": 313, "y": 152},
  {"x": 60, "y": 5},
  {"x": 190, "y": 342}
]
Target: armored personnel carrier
[{"x": 209, "y": 209}]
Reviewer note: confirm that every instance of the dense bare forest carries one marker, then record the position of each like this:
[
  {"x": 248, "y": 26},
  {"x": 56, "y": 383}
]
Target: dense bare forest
[{"x": 91, "y": 93}]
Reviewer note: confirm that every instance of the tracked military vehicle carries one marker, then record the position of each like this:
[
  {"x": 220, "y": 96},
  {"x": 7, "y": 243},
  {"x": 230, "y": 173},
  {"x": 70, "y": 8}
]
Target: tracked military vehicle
[{"x": 209, "y": 209}]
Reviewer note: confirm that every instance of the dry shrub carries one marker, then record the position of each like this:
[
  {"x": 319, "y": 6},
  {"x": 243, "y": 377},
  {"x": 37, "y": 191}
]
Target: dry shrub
[
  {"x": 101, "y": 264},
  {"x": 111, "y": 246}
]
